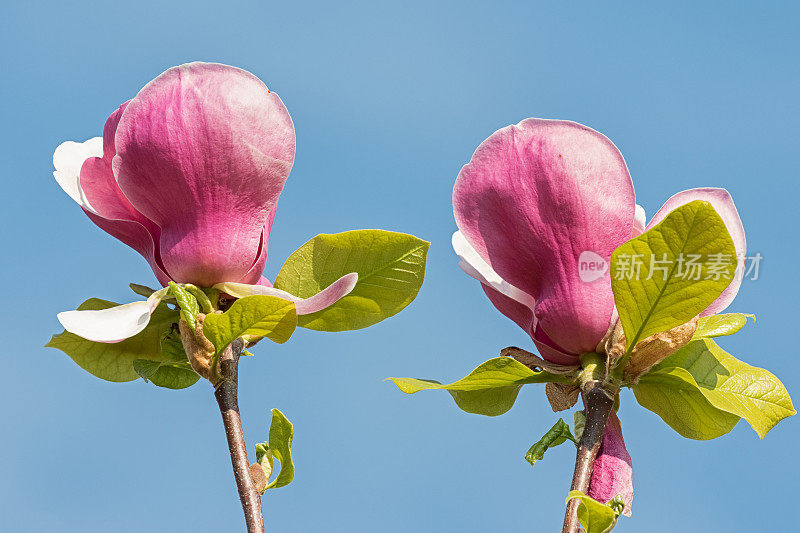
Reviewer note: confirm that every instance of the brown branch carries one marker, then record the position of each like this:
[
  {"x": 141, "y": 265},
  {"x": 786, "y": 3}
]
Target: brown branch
[
  {"x": 598, "y": 407},
  {"x": 226, "y": 393}
]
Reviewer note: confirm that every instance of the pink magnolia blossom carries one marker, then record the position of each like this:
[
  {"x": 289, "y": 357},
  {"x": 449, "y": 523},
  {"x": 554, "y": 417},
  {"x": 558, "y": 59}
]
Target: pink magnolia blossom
[
  {"x": 534, "y": 196},
  {"x": 188, "y": 174}
]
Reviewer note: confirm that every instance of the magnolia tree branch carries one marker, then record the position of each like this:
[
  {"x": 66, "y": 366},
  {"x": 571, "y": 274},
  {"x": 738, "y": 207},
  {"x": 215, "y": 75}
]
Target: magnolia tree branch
[
  {"x": 599, "y": 403},
  {"x": 226, "y": 393}
]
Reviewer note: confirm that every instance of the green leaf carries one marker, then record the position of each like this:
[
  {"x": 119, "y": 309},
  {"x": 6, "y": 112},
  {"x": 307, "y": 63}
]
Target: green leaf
[
  {"x": 580, "y": 423},
  {"x": 595, "y": 517},
  {"x": 172, "y": 348},
  {"x": 145, "y": 368},
  {"x": 617, "y": 504},
  {"x": 720, "y": 325},
  {"x": 672, "y": 297},
  {"x": 673, "y": 394},
  {"x": 252, "y": 316},
  {"x": 390, "y": 267},
  {"x": 188, "y": 304},
  {"x": 167, "y": 375},
  {"x": 556, "y": 435},
  {"x": 202, "y": 296},
  {"x": 728, "y": 384},
  {"x": 491, "y": 389},
  {"x": 279, "y": 447},
  {"x": 141, "y": 290},
  {"x": 114, "y": 361}
]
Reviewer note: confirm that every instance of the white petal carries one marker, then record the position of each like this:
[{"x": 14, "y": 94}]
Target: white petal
[
  {"x": 68, "y": 160},
  {"x": 475, "y": 266},
  {"x": 639, "y": 218},
  {"x": 304, "y": 306},
  {"x": 114, "y": 324}
]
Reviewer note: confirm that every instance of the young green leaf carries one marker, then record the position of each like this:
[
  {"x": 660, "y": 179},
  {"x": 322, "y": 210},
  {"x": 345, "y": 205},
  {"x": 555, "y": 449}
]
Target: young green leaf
[
  {"x": 252, "y": 316},
  {"x": 390, "y": 267},
  {"x": 145, "y": 368},
  {"x": 728, "y": 384},
  {"x": 114, "y": 361},
  {"x": 279, "y": 447},
  {"x": 172, "y": 348},
  {"x": 166, "y": 375},
  {"x": 595, "y": 517},
  {"x": 720, "y": 325},
  {"x": 491, "y": 389},
  {"x": 202, "y": 296},
  {"x": 685, "y": 262},
  {"x": 673, "y": 394},
  {"x": 580, "y": 422},
  {"x": 141, "y": 290},
  {"x": 188, "y": 304},
  {"x": 556, "y": 435},
  {"x": 617, "y": 505}
]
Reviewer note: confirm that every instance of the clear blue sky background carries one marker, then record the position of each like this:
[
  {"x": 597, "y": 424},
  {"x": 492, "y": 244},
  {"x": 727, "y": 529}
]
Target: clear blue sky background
[{"x": 389, "y": 100}]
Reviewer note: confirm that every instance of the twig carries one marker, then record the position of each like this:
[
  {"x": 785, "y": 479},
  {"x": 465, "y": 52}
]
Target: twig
[
  {"x": 226, "y": 393},
  {"x": 598, "y": 407}
]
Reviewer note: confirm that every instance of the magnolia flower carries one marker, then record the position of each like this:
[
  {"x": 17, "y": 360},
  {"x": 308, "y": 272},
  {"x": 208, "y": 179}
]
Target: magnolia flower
[
  {"x": 534, "y": 197},
  {"x": 188, "y": 174}
]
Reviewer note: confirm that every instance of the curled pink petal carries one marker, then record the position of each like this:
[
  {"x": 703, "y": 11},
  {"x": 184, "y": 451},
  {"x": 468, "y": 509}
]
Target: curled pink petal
[
  {"x": 613, "y": 473},
  {"x": 114, "y": 324},
  {"x": 474, "y": 266},
  {"x": 264, "y": 282},
  {"x": 111, "y": 210},
  {"x": 304, "y": 306},
  {"x": 721, "y": 201},
  {"x": 520, "y": 313},
  {"x": 253, "y": 275},
  {"x": 203, "y": 151},
  {"x": 532, "y": 198}
]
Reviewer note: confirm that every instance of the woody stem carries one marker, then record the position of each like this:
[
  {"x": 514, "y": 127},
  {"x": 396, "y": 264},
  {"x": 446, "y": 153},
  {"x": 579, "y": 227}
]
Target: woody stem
[
  {"x": 599, "y": 403},
  {"x": 226, "y": 393}
]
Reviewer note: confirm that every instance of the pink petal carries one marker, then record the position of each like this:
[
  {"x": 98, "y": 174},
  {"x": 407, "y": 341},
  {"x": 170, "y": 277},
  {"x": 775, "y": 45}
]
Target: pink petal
[
  {"x": 253, "y": 275},
  {"x": 520, "y": 313},
  {"x": 474, "y": 266},
  {"x": 613, "y": 473},
  {"x": 532, "y": 198},
  {"x": 203, "y": 151},
  {"x": 721, "y": 201},
  {"x": 111, "y": 210},
  {"x": 304, "y": 306}
]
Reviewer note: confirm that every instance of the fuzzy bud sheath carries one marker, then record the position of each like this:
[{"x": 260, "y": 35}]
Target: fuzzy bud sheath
[
  {"x": 198, "y": 348},
  {"x": 613, "y": 473}
]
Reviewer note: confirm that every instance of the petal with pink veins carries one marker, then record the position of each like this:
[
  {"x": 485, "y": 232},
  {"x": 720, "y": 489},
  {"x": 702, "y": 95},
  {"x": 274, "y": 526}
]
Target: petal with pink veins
[
  {"x": 114, "y": 324},
  {"x": 532, "y": 198},
  {"x": 722, "y": 202},
  {"x": 304, "y": 306},
  {"x": 613, "y": 473},
  {"x": 218, "y": 146}
]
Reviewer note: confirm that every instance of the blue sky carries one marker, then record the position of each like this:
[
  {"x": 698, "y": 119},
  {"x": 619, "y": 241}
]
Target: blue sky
[{"x": 389, "y": 100}]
